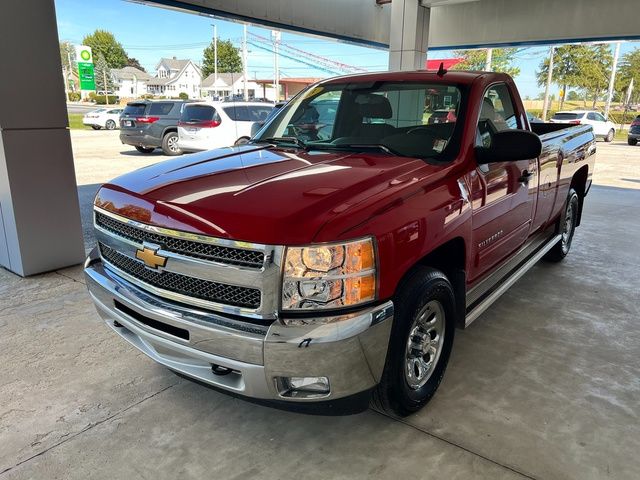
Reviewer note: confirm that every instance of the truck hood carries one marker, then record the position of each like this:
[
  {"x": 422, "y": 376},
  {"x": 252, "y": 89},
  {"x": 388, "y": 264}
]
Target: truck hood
[{"x": 254, "y": 194}]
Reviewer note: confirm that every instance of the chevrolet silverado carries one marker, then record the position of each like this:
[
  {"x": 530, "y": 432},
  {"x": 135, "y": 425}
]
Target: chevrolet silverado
[{"x": 328, "y": 262}]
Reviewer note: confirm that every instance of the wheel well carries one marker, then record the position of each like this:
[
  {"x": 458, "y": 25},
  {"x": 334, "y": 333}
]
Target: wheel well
[
  {"x": 579, "y": 184},
  {"x": 169, "y": 130},
  {"x": 450, "y": 259}
]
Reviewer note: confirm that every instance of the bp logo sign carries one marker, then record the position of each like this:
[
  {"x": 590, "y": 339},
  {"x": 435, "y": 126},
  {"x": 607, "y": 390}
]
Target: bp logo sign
[{"x": 85, "y": 68}]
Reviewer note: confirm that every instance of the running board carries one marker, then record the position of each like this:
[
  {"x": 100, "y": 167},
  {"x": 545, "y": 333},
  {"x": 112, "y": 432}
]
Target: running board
[{"x": 507, "y": 282}]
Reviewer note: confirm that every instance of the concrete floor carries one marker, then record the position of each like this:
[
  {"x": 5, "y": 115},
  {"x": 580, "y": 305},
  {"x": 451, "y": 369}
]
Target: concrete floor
[{"x": 546, "y": 384}]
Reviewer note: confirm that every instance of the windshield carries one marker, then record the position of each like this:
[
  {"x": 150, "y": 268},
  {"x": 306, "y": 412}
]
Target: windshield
[{"x": 407, "y": 119}]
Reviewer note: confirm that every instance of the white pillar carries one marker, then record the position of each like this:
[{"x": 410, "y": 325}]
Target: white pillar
[
  {"x": 40, "y": 226},
  {"x": 409, "y": 35}
]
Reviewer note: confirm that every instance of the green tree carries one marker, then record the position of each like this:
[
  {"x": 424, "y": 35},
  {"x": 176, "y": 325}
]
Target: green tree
[
  {"x": 68, "y": 61},
  {"x": 573, "y": 96},
  {"x": 629, "y": 68},
  {"x": 229, "y": 60},
  {"x": 102, "y": 73},
  {"x": 566, "y": 71},
  {"x": 104, "y": 43},
  {"x": 134, "y": 62},
  {"x": 594, "y": 69},
  {"x": 502, "y": 60}
]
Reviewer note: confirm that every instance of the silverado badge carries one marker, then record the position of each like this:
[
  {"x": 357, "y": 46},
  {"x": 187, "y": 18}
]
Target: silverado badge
[{"x": 150, "y": 258}]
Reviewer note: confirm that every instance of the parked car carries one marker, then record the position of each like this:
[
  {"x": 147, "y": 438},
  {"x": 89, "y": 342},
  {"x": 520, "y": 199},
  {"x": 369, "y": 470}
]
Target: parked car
[
  {"x": 256, "y": 126},
  {"x": 634, "y": 132},
  {"x": 321, "y": 274},
  {"x": 148, "y": 125},
  {"x": 204, "y": 126},
  {"x": 108, "y": 118},
  {"x": 533, "y": 119},
  {"x": 602, "y": 127}
]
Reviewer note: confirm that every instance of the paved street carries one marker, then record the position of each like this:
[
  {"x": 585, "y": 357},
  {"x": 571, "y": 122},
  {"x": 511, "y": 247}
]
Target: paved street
[{"x": 535, "y": 389}]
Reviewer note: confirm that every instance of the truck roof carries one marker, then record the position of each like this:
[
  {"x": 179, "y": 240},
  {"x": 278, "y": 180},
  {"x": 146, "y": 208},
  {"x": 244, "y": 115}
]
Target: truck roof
[{"x": 451, "y": 76}]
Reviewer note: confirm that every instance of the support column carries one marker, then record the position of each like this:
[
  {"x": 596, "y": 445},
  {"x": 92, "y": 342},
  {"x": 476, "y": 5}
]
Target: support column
[
  {"x": 40, "y": 227},
  {"x": 409, "y": 35}
]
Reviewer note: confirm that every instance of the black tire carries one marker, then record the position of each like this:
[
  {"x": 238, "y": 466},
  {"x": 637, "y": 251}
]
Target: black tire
[
  {"x": 632, "y": 141},
  {"x": 110, "y": 125},
  {"x": 145, "y": 149},
  {"x": 566, "y": 227},
  {"x": 96, "y": 127},
  {"x": 170, "y": 144},
  {"x": 610, "y": 135},
  {"x": 423, "y": 288},
  {"x": 242, "y": 141}
]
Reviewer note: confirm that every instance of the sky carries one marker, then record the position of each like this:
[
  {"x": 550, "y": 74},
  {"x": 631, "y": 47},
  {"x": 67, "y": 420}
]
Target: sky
[{"x": 150, "y": 33}]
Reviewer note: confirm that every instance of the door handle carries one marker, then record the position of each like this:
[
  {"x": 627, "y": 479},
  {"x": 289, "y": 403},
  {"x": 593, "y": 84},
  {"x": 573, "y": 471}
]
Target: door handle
[{"x": 525, "y": 177}]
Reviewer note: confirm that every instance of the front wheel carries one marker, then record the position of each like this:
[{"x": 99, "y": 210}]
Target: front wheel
[
  {"x": 170, "y": 144},
  {"x": 241, "y": 141},
  {"x": 632, "y": 141},
  {"x": 566, "y": 228},
  {"x": 95, "y": 127},
  {"x": 610, "y": 135},
  {"x": 420, "y": 344}
]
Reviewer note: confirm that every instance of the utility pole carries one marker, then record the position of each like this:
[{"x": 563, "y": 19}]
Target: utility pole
[
  {"x": 70, "y": 70},
  {"x": 612, "y": 80},
  {"x": 487, "y": 65},
  {"x": 275, "y": 35},
  {"x": 215, "y": 60},
  {"x": 546, "y": 88},
  {"x": 244, "y": 63}
]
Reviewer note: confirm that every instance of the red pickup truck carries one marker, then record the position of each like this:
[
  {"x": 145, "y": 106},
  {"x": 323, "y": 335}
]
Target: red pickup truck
[{"x": 330, "y": 260}]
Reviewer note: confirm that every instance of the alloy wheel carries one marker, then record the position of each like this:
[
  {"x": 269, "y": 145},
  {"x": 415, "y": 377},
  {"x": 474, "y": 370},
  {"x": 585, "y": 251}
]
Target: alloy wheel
[{"x": 424, "y": 345}]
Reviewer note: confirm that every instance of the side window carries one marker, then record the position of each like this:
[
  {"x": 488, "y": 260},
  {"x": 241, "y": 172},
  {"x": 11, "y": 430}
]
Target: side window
[
  {"x": 591, "y": 116},
  {"x": 258, "y": 114},
  {"x": 600, "y": 117},
  {"x": 160, "y": 108},
  {"x": 497, "y": 114}
]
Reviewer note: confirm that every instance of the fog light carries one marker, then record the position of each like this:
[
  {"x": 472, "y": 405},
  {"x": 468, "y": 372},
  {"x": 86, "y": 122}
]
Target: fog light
[{"x": 303, "y": 387}]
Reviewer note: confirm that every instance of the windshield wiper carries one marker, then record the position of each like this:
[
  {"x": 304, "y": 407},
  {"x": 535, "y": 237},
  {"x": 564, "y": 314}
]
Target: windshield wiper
[
  {"x": 277, "y": 140},
  {"x": 356, "y": 146}
]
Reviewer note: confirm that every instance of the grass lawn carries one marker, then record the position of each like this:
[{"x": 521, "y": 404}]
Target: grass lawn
[{"x": 75, "y": 122}]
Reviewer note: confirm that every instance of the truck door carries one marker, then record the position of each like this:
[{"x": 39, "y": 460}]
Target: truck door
[{"x": 504, "y": 193}]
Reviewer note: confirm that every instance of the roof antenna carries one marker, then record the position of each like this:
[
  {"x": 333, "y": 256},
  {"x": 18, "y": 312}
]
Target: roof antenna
[{"x": 441, "y": 70}]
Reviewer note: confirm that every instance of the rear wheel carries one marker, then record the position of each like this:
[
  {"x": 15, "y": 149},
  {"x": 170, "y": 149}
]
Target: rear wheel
[
  {"x": 170, "y": 144},
  {"x": 610, "y": 135},
  {"x": 145, "y": 149},
  {"x": 566, "y": 228},
  {"x": 110, "y": 125},
  {"x": 632, "y": 141},
  {"x": 420, "y": 344}
]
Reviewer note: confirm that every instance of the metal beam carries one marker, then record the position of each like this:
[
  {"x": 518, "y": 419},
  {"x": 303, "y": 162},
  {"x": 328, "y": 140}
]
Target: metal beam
[{"x": 481, "y": 23}]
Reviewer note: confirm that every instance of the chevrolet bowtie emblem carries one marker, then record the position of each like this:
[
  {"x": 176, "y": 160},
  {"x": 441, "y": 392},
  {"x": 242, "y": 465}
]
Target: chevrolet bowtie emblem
[{"x": 150, "y": 258}]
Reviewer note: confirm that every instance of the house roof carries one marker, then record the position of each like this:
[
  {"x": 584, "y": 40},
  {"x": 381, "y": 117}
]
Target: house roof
[
  {"x": 226, "y": 78},
  {"x": 173, "y": 63},
  {"x": 127, "y": 73}
]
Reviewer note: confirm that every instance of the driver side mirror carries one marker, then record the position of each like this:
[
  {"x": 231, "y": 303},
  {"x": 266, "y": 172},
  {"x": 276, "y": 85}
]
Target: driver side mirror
[{"x": 510, "y": 146}]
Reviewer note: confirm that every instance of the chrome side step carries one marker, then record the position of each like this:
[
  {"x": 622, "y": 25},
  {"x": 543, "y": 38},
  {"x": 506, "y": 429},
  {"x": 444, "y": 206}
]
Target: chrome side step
[{"x": 508, "y": 281}]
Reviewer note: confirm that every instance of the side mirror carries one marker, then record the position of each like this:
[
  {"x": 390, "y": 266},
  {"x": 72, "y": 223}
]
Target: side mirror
[{"x": 510, "y": 145}]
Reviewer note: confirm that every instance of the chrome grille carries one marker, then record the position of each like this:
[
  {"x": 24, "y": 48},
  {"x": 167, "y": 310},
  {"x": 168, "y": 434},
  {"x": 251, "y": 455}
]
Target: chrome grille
[
  {"x": 205, "y": 251},
  {"x": 181, "y": 284}
]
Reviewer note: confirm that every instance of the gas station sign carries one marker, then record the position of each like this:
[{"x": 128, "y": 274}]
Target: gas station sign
[{"x": 84, "y": 58}]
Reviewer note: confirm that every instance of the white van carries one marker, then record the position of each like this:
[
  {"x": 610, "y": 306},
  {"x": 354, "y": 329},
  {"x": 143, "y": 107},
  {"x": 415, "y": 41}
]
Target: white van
[{"x": 208, "y": 125}]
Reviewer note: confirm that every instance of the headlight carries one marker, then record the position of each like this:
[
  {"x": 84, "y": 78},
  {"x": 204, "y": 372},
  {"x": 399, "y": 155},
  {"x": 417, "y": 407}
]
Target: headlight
[{"x": 329, "y": 276}]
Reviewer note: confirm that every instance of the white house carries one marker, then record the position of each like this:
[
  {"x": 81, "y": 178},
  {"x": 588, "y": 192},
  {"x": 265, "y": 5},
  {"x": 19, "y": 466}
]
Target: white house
[
  {"x": 129, "y": 82},
  {"x": 229, "y": 84},
  {"x": 175, "y": 76}
]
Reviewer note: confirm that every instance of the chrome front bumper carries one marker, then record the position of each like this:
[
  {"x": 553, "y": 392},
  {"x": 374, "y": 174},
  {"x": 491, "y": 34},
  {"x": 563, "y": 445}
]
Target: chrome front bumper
[{"x": 350, "y": 350}]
